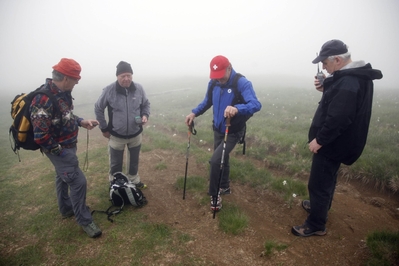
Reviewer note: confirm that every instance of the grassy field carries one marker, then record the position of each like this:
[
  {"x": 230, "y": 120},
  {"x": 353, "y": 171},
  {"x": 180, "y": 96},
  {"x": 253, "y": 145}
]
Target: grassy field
[{"x": 276, "y": 136}]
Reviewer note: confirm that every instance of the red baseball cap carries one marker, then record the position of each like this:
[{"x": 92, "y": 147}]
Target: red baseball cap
[
  {"x": 218, "y": 66},
  {"x": 68, "y": 67}
]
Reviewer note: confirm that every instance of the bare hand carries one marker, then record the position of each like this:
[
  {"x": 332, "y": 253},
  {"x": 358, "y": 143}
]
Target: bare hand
[
  {"x": 314, "y": 146},
  {"x": 189, "y": 119},
  {"x": 230, "y": 111},
  {"x": 106, "y": 134},
  {"x": 144, "y": 120},
  {"x": 89, "y": 123},
  {"x": 317, "y": 85}
]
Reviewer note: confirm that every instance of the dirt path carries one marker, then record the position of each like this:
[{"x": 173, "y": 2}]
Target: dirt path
[{"x": 356, "y": 211}]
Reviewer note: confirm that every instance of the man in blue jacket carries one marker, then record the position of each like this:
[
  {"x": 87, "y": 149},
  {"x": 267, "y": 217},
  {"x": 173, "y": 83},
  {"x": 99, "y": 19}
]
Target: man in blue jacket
[
  {"x": 220, "y": 95},
  {"x": 339, "y": 128}
]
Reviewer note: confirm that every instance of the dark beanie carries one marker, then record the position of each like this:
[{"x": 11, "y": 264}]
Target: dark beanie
[{"x": 123, "y": 67}]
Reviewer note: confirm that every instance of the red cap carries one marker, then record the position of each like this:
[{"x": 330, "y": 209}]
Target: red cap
[
  {"x": 68, "y": 67},
  {"x": 218, "y": 66}
]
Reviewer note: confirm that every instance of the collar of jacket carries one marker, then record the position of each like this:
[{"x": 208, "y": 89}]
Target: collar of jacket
[
  {"x": 229, "y": 83},
  {"x": 121, "y": 90},
  {"x": 364, "y": 72}
]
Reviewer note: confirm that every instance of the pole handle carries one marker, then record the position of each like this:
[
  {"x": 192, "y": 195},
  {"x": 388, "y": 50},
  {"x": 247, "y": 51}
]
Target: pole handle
[
  {"x": 228, "y": 122},
  {"x": 191, "y": 129}
]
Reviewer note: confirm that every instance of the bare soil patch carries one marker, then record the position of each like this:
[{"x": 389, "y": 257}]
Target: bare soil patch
[{"x": 356, "y": 211}]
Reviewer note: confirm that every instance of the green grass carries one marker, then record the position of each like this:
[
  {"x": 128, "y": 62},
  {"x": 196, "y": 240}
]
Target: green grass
[
  {"x": 276, "y": 139},
  {"x": 290, "y": 188},
  {"x": 193, "y": 183},
  {"x": 384, "y": 248},
  {"x": 271, "y": 245},
  {"x": 232, "y": 220},
  {"x": 161, "y": 166}
]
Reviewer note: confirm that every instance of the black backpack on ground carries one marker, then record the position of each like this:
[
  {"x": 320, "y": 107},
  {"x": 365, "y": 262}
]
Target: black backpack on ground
[
  {"x": 21, "y": 130},
  {"x": 121, "y": 193}
]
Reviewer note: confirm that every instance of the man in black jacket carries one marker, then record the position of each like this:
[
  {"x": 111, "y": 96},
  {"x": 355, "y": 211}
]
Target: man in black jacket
[{"x": 339, "y": 128}]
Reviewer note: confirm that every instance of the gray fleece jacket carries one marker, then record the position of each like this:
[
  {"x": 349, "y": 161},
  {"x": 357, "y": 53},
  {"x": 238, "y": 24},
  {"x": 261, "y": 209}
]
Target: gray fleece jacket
[{"x": 123, "y": 105}]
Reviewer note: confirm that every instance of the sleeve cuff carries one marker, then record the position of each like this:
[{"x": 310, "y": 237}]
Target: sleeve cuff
[{"x": 80, "y": 121}]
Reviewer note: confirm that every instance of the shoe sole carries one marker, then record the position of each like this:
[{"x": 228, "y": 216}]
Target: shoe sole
[
  {"x": 217, "y": 208},
  {"x": 315, "y": 233},
  {"x": 96, "y": 235}
]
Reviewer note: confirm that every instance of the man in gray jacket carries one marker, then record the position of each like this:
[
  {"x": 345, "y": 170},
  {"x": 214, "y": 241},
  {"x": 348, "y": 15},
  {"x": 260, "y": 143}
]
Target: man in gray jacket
[{"x": 128, "y": 110}]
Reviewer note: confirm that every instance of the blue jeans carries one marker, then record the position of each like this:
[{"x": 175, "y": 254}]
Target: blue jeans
[
  {"x": 216, "y": 170},
  {"x": 321, "y": 186}
]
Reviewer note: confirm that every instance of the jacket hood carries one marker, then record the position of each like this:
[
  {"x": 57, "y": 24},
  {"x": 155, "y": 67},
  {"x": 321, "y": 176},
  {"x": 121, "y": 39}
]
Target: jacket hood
[{"x": 364, "y": 72}]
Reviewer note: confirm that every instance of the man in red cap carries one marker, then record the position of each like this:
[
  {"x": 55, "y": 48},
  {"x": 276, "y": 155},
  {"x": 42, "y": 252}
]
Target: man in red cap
[
  {"x": 232, "y": 96},
  {"x": 55, "y": 128},
  {"x": 339, "y": 129}
]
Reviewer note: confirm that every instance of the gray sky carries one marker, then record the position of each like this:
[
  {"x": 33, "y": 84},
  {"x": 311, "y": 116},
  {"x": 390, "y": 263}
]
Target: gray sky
[{"x": 179, "y": 37}]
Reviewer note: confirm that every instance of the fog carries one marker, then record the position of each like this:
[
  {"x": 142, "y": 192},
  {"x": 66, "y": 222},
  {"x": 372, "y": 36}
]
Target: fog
[{"x": 177, "y": 39}]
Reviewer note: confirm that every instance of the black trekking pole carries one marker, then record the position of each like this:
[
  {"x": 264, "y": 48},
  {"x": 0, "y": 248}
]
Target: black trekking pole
[
  {"x": 191, "y": 130},
  {"x": 226, "y": 133}
]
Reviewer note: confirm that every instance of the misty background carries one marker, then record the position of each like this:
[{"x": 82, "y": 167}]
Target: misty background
[{"x": 270, "y": 42}]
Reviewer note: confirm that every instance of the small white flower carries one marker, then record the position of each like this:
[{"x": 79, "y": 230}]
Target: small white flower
[
  {"x": 174, "y": 135},
  {"x": 209, "y": 149},
  {"x": 201, "y": 140},
  {"x": 284, "y": 182},
  {"x": 294, "y": 195}
]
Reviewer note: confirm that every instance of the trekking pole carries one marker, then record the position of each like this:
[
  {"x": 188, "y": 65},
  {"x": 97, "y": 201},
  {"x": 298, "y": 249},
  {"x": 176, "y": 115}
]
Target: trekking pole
[
  {"x": 86, "y": 163},
  {"x": 226, "y": 133},
  {"x": 191, "y": 130}
]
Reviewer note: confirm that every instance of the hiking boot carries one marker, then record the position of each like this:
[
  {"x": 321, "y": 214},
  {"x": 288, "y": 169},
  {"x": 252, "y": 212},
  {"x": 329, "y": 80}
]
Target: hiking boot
[
  {"x": 218, "y": 203},
  {"x": 68, "y": 214},
  {"x": 92, "y": 230},
  {"x": 224, "y": 191},
  {"x": 304, "y": 230},
  {"x": 140, "y": 185},
  {"x": 306, "y": 205}
]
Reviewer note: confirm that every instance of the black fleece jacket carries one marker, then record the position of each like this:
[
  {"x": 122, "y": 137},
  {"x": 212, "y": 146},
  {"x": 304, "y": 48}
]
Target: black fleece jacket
[{"x": 342, "y": 119}]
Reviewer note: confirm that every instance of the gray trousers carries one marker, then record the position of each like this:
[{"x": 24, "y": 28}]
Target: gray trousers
[
  {"x": 71, "y": 178},
  {"x": 216, "y": 159},
  {"x": 116, "y": 149}
]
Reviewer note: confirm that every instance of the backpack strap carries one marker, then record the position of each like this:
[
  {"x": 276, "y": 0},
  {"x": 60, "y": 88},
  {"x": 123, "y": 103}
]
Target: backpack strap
[
  {"x": 109, "y": 212},
  {"x": 239, "y": 99}
]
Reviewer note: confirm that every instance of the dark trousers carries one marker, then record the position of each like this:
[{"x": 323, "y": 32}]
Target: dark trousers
[
  {"x": 321, "y": 186},
  {"x": 71, "y": 186},
  {"x": 216, "y": 168}
]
